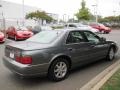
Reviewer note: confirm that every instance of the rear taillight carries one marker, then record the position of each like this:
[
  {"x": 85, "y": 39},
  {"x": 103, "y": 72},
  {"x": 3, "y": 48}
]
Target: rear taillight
[{"x": 24, "y": 59}]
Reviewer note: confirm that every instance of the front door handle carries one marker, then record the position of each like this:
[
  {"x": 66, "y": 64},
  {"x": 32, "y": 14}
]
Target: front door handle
[
  {"x": 92, "y": 45},
  {"x": 70, "y": 49}
]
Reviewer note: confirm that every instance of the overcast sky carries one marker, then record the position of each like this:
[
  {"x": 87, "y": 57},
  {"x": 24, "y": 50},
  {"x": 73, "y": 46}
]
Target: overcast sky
[{"x": 69, "y": 7}]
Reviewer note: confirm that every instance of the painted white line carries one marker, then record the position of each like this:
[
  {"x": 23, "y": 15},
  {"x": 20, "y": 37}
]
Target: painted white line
[{"x": 100, "y": 79}]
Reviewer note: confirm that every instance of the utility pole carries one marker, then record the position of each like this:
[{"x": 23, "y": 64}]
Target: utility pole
[{"x": 0, "y": 15}]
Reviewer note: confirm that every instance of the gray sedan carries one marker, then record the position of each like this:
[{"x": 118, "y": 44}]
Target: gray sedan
[{"x": 55, "y": 53}]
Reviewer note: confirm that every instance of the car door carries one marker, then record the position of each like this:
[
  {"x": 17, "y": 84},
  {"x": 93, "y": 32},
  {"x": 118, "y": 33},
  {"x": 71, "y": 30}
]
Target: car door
[
  {"x": 98, "y": 48},
  {"x": 78, "y": 47}
]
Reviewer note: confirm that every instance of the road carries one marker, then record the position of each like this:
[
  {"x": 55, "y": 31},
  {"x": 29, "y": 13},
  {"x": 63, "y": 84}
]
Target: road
[{"x": 76, "y": 79}]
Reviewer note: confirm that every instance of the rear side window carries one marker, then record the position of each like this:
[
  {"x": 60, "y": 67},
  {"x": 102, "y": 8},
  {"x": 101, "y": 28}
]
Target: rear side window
[
  {"x": 72, "y": 25},
  {"x": 75, "y": 37},
  {"x": 45, "y": 37}
]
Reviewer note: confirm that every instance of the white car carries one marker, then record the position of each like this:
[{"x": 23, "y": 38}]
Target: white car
[
  {"x": 87, "y": 27},
  {"x": 81, "y": 26}
]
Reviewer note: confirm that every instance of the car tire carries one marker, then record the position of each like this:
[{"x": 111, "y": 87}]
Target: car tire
[
  {"x": 58, "y": 70},
  {"x": 111, "y": 54}
]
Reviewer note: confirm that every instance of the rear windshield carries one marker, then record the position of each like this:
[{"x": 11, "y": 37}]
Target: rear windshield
[
  {"x": 45, "y": 37},
  {"x": 22, "y": 28}
]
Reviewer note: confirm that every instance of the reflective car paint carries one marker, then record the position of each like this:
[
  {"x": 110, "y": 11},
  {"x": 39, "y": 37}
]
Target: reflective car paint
[{"x": 44, "y": 54}]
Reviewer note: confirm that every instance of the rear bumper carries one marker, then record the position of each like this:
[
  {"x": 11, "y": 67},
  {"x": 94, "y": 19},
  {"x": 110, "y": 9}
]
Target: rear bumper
[
  {"x": 2, "y": 40},
  {"x": 107, "y": 31},
  {"x": 25, "y": 37},
  {"x": 25, "y": 70}
]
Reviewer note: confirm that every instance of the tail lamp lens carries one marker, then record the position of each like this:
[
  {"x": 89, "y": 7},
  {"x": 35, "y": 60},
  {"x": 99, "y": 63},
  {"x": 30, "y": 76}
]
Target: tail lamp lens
[{"x": 24, "y": 59}]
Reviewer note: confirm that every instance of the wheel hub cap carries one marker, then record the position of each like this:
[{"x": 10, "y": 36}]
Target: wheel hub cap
[
  {"x": 60, "y": 69},
  {"x": 111, "y": 54}
]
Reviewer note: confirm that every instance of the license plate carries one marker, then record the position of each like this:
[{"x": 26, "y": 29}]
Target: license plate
[{"x": 12, "y": 55}]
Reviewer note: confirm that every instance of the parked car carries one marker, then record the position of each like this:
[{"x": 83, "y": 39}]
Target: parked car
[
  {"x": 56, "y": 52},
  {"x": 18, "y": 33},
  {"x": 102, "y": 28},
  {"x": 81, "y": 26},
  {"x": 37, "y": 29},
  {"x": 2, "y": 37}
]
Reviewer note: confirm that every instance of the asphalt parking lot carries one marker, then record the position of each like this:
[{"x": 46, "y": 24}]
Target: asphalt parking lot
[{"x": 76, "y": 79}]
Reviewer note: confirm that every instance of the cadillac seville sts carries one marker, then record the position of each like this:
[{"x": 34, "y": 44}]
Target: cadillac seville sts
[{"x": 55, "y": 53}]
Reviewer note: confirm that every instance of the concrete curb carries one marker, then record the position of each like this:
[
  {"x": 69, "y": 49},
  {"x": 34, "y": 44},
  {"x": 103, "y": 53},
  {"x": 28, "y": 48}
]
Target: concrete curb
[{"x": 101, "y": 78}]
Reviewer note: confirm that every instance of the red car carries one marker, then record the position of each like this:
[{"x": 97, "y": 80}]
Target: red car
[
  {"x": 102, "y": 28},
  {"x": 18, "y": 33},
  {"x": 2, "y": 37}
]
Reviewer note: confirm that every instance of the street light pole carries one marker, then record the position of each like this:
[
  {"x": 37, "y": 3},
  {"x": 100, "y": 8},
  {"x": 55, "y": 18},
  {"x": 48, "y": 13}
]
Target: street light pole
[
  {"x": 23, "y": 21},
  {"x": 64, "y": 18},
  {"x": 95, "y": 11},
  {"x": 114, "y": 12},
  {"x": 3, "y": 18}
]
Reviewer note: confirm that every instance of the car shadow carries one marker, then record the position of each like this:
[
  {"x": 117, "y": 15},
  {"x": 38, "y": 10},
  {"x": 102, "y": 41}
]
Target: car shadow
[{"x": 94, "y": 64}]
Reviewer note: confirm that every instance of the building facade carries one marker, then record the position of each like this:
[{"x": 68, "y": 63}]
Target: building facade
[{"x": 12, "y": 14}]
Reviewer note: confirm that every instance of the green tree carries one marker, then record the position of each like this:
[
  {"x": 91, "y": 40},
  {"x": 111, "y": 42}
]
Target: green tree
[
  {"x": 110, "y": 19},
  {"x": 83, "y": 13},
  {"x": 39, "y": 15}
]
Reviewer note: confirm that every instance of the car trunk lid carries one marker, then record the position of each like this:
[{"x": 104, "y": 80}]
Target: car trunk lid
[
  {"x": 27, "y": 45},
  {"x": 12, "y": 52}
]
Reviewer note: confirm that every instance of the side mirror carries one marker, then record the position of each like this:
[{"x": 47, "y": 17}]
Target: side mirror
[{"x": 103, "y": 39}]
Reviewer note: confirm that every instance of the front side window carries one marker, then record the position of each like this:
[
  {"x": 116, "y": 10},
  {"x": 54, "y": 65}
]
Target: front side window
[
  {"x": 92, "y": 37},
  {"x": 75, "y": 37}
]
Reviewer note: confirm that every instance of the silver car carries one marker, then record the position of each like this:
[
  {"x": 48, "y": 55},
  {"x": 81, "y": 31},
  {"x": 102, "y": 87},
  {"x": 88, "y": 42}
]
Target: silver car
[
  {"x": 81, "y": 26},
  {"x": 56, "y": 52}
]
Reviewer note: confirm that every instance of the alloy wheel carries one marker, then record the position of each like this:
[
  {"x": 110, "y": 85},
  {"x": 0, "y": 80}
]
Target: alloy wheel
[
  {"x": 111, "y": 54},
  {"x": 60, "y": 69}
]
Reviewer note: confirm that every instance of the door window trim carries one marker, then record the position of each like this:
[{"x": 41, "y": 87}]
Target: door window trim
[
  {"x": 84, "y": 38},
  {"x": 94, "y": 35}
]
